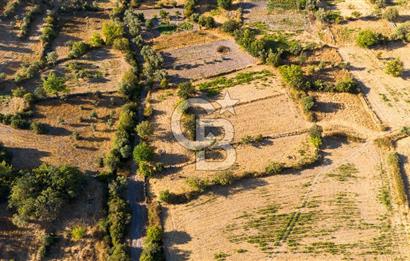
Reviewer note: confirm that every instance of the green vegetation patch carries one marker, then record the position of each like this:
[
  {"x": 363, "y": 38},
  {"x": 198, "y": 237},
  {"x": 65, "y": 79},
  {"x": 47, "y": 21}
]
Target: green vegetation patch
[
  {"x": 215, "y": 86},
  {"x": 344, "y": 172}
]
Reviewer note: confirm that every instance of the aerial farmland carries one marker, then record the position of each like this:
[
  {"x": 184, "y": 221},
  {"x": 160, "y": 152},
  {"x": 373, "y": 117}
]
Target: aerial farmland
[{"x": 204, "y": 130}]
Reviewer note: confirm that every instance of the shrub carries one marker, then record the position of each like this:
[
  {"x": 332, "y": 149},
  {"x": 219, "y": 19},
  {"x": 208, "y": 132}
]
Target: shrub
[
  {"x": 293, "y": 75},
  {"x": 112, "y": 30},
  {"x": 274, "y": 58},
  {"x": 315, "y": 136},
  {"x": 189, "y": 7},
  {"x": 274, "y": 168},
  {"x": 329, "y": 16},
  {"x": 118, "y": 217},
  {"x": 7, "y": 177},
  {"x": 144, "y": 130},
  {"x": 207, "y": 21},
  {"x": 391, "y": 14},
  {"x": 54, "y": 84},
  {"x": 394, "y": 67},
  {"x": 38, "y": 127},
  {"x": 78, "y": 232},
  {"x": 367, "y": 39},
  {"x": 197, "y": 184},
  {"x": 129, "y": 86},
  {"x": 18, "y": 92},
  {"x": 152, "y": 244},
  {"x": 121, "y": 44},
  {"x": 143, "y": 152},
  {"x": 186, "y": 90},
  {"x": 96, "y": 40},
  {"x": 165, "y": 196},
  {"x": 224, "y": 178},
  {"x": 230, "y": 26},
  {"x": 346, "y": 84},
  {"x": 308, "y": 102},
  {"x": 146, "y": 169},
  {"x": 403, "y": 32},
  {"x": 225, "y": 4},
  {"x": 78, "y": 49},
  {"x": 51, "y": 58}
]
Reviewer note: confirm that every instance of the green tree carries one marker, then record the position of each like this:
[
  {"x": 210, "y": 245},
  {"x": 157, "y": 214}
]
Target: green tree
[
  {"x": 293, "y": 75},
  {"x": 143, "y": 152},
  {"x": 54, "y": 84},
  {"x": 112, "y": 30},
  {"x": 144, "y": 130},
  {"x": 40, "y": 194}
]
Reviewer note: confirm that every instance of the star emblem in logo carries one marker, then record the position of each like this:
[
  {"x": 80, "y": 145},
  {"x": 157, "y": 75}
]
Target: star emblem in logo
[{"x": 227, "y": 104}]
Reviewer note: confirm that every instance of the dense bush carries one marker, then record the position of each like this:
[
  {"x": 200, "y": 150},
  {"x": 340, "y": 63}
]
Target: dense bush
[
  {"x": 152, "y": 64},
  {"x": 274, "y": 168},
  {"x": 230, "y": 26},
  {"x": 121, "y": 44},
  {"x": 6, "y": 179},
  {"x": 308, "y": 103},
  {"x": 38, "y": 127},
  {"x": 186, "y": 90},
  {"x": 134, "y": 22},
  {"x": 54, "y": 84},
  {"x": 403, "y": 32},
  {"x": 293, "y": 75},
  {"x": 129, "y": 86},
  {"x": 112, "y": 30},
  {"x": 206, "y": 21},
  {"x": 26, "y": 72},
  {"x": 153, "y": 245},
  {"x": 48, "y": 30},
  {"x": 144, "y": 130},
  {"x": 143, "y": 152},
  {"x": 394, "y": 67},
  {"x": 40, "y": 194},
  {"x": 78, "y": 49},
  {"x": 189, "y": 7},
  {"x": 329, "y": 16},
  {"x": 293, "y": 4},
  {"x": 346, "y": 84},
  {"x": 96, "y": 40},
  {"x": 367, "y": 39}
]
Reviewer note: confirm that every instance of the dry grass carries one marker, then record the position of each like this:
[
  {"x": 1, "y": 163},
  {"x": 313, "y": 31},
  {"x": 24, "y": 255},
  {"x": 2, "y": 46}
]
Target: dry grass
[
  {"x": 59, "y": 146},
  {"x": 183, "y": 39}
]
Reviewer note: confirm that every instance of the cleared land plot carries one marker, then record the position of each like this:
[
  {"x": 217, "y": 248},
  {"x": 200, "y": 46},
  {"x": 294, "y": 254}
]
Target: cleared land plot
[
  {"x": 183, "y": 39},
  {"x": 342, "y": 108},
  {"x": 331, "y": 211},
  {"x": 78, "y": 28},
  {"x": 99, "y": 70},
  {"x": 388, "y": 95},
  {"x": 76, "y": 137},
  {"x": 263, "y": 109},
  {"x": 347, "y": 7},
  {"x": 257, "y": 13},
  {"x": 203, "y": 61}
]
